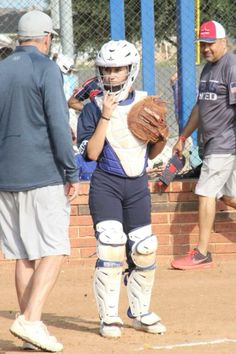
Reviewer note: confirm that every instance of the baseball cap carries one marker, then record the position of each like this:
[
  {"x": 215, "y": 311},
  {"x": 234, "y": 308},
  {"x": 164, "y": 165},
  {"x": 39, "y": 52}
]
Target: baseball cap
[
  {"x": 35, "y": 24},
  {"x": 210, "y": 31}
]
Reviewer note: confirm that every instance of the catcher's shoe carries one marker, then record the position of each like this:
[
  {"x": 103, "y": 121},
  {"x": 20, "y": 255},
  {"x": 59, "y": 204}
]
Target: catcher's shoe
[
  {"x": 110, "y": 327},
  {"x": 193, "y": 260},
  {"x": 35, "y": 333},
  {"x": 150, "y": 323}
]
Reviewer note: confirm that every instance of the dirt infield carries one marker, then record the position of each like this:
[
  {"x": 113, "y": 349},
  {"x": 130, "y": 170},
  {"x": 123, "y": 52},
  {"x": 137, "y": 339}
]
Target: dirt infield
[{"x": 198, "y": 307}]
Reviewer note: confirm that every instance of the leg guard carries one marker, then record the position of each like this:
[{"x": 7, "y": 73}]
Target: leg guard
[
  {"x": 111, "y": 242},
  {"x": 142, "y": 253},
  {"x": 139, "y": 287}
]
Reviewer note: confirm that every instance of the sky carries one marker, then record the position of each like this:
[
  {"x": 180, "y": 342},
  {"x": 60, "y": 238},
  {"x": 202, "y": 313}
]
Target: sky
[{"x": 22, "y": 3}]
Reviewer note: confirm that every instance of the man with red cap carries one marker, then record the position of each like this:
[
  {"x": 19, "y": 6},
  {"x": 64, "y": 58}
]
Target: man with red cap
[{"x": 215, "y": 114}]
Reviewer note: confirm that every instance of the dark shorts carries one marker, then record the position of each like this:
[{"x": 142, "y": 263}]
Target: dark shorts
[{"x": 117, "y": 198}]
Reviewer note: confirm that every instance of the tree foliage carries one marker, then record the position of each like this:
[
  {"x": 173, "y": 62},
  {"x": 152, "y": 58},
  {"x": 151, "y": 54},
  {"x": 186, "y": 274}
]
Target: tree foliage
[{"x": 92, "y": 21}]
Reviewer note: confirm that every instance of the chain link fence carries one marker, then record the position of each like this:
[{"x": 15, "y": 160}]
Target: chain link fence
[{"x": 83, "y": 26}]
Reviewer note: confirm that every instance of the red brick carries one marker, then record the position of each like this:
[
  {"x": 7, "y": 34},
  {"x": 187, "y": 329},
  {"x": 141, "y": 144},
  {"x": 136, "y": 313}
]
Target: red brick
[
  {"x": 163, "y": 239},
  {"x": 88, "y": 252},
  {"x": 83, "y": 199},
  {"x": 176, "y": 186},
  {"x": 84, "y": 188},
  {"x": 86, "y": 231},
  {"x": 73, "y": 231},
  {"x": 183, "y": 217},
  {"x": 225, "y": 248},
  {"x": 182, "y": 197},
  {"x": 189, "y": 186},
  {"x": 84, "y": 220},
  {"x": 86, "y": 242},
  {"x": 160, "y": 218},
  {"x": 74, "y": 210},
  {"x": 226, "y": 237},
  {"x": 74, "y": 220},
  {"x": 225, "y": 226}
]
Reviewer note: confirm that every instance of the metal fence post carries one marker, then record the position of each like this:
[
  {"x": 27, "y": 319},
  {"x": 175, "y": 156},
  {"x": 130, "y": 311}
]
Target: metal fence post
[
  {"x": 66, "y": 22},
  {"x": 186, "y": 60},
  {"x": 148, "y": 46},
  {"x": 117, "y": 19}
]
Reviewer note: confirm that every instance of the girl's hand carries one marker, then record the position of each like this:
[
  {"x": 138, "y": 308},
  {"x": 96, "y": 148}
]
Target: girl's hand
[{"x": 109, "y": 104}]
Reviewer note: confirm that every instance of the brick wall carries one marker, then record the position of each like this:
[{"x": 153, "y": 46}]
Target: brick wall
[{"x": 174, "y": 221}]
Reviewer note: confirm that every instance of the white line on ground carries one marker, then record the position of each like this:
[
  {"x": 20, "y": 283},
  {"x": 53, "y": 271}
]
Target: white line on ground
[{"x": 190, "y": 344}]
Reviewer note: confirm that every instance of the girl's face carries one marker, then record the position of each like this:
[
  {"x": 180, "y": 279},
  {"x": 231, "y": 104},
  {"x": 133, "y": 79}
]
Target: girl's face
[{"x": 114, "y": 75}]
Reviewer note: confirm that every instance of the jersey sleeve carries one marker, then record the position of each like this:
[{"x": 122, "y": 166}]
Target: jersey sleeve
[
  {"x": 86, "y": 90},
  {"x": 86, "y": 126},
  {"x": 232, "y": 84}
]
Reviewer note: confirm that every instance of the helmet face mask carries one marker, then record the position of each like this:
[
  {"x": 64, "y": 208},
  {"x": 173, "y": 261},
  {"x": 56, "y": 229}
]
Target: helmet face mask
[{"x": 116, "y": 54}]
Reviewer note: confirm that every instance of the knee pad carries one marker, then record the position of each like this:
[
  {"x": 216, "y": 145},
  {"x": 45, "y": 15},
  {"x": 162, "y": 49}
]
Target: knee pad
[
  {"x": 111, "y": 241},
  {"x": 139, "y": 289},
  {"x": 142, "y": 247}
]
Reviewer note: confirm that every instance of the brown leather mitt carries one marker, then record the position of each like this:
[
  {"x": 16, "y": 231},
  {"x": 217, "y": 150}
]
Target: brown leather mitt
[{"x": 147, "y": 119}]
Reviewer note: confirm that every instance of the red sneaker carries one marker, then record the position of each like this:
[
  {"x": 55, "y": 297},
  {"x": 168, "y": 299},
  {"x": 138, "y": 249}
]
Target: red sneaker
[{"x": 194, "y": 259}]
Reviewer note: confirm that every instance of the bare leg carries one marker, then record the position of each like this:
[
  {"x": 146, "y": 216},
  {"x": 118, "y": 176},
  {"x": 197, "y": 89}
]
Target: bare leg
[
  {"x": 231, "y": 201},
  {"x": 207, "y": 210},
  {"x": 39, "y": 286},
  {"x": 23, "y": 274}
]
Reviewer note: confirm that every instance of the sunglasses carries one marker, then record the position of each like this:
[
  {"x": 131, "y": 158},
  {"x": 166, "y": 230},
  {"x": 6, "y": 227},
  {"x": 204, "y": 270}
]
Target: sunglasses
[{"x": 50, "y": 34}]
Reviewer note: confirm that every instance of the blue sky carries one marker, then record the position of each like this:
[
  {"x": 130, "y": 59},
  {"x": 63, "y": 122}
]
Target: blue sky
[{"x": 22, "y": 3}]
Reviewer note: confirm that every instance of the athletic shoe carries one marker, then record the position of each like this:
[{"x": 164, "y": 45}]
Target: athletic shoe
[
  {"x": 150, "y": 323},
  {"x": 193, "y": 260},
  {"x": 110, "y": 327},
  {"x": 29, "y": 346},
  {"x": 35, "y": 333}
]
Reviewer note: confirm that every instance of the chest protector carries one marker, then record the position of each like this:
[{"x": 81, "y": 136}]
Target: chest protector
[{"x": 129, "y": 152}]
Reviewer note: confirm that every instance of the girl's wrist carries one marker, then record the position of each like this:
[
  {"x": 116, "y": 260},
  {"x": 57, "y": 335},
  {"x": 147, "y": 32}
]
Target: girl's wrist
[{"x": 104, "y": 117}]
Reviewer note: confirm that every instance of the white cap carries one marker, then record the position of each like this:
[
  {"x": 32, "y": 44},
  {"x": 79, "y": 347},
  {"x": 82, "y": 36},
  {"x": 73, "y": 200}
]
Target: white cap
[{"x": 35, "y": 24}]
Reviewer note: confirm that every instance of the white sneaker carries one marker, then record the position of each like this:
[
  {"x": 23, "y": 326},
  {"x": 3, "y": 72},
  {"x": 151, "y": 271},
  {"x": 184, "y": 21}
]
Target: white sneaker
[
  {"x": 110, "y": 327},
  {"x": 35, "y": 333},
  {"x": 150, "y": 323},
  {"x": 29, "y": 346}
]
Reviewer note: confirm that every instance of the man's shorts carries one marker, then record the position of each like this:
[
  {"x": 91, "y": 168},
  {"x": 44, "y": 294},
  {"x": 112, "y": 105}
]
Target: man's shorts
[
  {"x": 218, "y": 176},
  {"x": 34, "y": 224}
]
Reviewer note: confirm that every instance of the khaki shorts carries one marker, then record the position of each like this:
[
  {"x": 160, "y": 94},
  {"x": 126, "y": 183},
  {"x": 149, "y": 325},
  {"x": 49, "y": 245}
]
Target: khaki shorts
[
  {"x": 34, "y": 224},
  {"x": 218, "y": 176}
]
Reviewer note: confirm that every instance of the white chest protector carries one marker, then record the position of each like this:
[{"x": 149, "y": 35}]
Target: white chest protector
[{"x": 130, "y": 150}]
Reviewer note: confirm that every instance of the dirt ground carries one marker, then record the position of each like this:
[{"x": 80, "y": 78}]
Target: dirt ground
[{"x": 198, "y": 307}]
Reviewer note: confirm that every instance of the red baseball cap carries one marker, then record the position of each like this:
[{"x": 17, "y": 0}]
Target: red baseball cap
[{"x": 210, "y": 31}]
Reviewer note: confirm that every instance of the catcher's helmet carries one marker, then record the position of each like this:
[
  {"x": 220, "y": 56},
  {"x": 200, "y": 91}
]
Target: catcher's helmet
[{"x": 116, "y": 54}]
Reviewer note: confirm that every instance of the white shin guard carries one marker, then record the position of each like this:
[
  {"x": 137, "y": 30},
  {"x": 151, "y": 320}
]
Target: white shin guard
[
  {"x": 107, "y": 283},
  {"x": 139, "y": 288}
]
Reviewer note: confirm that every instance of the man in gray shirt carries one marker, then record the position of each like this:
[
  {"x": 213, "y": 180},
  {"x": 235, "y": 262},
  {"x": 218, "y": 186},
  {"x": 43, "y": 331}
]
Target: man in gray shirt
[
  {"x": 215, "y": 114},
  {"x": 38, "y": 175}
]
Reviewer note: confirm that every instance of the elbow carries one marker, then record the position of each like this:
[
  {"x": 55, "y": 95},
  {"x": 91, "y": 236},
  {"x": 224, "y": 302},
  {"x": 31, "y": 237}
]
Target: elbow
[{"x": 92, "y": 156}]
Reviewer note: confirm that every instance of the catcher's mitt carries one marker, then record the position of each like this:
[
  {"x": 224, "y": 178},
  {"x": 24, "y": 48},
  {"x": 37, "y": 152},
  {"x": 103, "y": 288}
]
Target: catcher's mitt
[{"x": 147, "y": 119}]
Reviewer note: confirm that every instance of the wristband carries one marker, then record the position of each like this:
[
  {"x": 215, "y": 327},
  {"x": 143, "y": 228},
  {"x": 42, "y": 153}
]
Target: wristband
[
  {"x": 182, "y": 138},
  {"x": 103, "y": 117}
]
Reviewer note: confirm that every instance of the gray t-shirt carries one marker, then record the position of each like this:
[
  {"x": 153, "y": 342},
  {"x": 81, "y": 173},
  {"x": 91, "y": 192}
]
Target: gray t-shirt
[{"x": 217, "y": 106}]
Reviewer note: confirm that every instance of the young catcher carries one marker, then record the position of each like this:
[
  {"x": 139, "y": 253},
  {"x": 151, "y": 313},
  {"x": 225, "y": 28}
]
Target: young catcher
[{"x": 119, "y": 198}]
